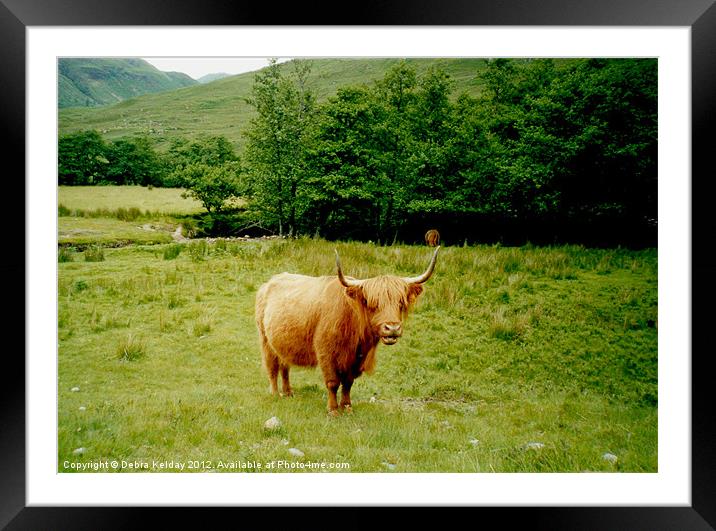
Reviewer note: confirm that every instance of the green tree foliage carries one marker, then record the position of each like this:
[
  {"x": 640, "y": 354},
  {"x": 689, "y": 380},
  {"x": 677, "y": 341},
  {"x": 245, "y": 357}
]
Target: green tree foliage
[
  {"x": 214, "y": 185},
  {"x": 209, "y": 150},
  {"x": 577, "y": 143},
  {"x": 346, "y": 183},
  {"x": 547, "y": 145},
  {"x": 81, "y": 158},
  {"x": 208, "y": 168},
  {"x": 277, "y": 142},
  {"x": 133, "y": 161},
  {"x": 84, "y": 158}
]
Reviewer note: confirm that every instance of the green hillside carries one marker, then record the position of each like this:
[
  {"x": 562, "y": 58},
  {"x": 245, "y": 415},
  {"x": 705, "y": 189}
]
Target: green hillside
[
  {"x": 208, "y": 78},
  {"x": 220, "y": 108},
  {"x": 93, "y": 82}
]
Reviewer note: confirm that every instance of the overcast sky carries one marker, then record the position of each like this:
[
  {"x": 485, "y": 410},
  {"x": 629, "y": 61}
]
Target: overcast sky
[{"x": 200, "y": 66}]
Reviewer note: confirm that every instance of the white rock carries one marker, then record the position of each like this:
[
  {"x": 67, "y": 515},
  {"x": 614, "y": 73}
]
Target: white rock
[
  {"x": 389, "y": 466},
  {"x": 78, "y": 451},
  {"x": 610, "y": 457},
  {"x": 296, "y": 452},
  {"x": 534, "y": 445},
  {"x": 474, "y": 442},
  {"x": 75, "y": 389},
  {"x": 372, "y": 400},
  {"x": 82, "y": 408},
  {"x": 272, "y": 423}
]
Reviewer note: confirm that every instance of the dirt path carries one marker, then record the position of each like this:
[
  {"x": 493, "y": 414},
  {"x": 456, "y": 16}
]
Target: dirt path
[{"x": 177, "y": 236}]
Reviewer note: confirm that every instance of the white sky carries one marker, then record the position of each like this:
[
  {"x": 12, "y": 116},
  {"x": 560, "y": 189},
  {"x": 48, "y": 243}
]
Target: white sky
[{"x": 200, "y": 66}]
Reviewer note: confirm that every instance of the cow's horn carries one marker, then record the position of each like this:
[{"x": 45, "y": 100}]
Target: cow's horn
[
  {"x": 343, "y": 280},
  {"x": 428, "y": 272}
]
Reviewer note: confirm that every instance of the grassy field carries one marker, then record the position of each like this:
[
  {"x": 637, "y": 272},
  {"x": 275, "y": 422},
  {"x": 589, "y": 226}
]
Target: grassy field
[
  {"x": 89, "y": 215},
  {"x": 156, "y": 201},
  {"x": 515, "y": 360}
]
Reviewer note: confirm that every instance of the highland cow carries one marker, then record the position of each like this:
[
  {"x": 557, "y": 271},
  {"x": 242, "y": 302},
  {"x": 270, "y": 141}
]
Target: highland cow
[
  {"x": 334, "y": 322},
  {"x": 432, "y": 238}
]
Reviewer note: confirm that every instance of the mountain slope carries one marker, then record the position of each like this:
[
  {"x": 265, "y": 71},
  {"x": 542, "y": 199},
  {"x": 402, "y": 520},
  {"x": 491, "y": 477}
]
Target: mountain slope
[
  {"x": 208, "y": 78},
  {"x": 94, "y": 82},
  {"x": 220, "y": 108}
]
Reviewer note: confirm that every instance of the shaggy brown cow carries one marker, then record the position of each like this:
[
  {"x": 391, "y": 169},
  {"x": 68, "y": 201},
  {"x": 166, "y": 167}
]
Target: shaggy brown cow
[
  {"x": 335, "y": 322},
  {"x": 432, "y": 238}
]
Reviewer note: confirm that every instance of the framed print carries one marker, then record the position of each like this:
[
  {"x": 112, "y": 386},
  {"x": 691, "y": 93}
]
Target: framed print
[{"x": 671, "y": 489}]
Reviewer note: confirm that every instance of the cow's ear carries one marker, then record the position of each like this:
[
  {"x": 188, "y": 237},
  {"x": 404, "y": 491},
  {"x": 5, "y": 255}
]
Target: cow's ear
[
  {"x": 355, "y": 292},
  {"x": 413, "y": 291}
]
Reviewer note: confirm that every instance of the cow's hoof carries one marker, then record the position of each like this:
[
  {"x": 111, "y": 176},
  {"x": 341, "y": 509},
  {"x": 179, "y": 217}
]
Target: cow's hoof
[
  {"x": 347, "y": 408},
  {"x": 287, "y": 394},
  {"x": 333, "y": 413}
]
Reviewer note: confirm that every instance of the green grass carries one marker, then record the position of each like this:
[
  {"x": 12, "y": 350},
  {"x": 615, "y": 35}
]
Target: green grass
[
  {"x": 104, "y": 200},
  {"x": 507, "y": 347},
  {"x": 89, "y": 215},
  {"x": 94, "y": 253},
  {"x": 84, "y": 232}
]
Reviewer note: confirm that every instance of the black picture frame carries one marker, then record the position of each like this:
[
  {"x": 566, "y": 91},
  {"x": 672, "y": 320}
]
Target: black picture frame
[{"x": 699, "y": 15}]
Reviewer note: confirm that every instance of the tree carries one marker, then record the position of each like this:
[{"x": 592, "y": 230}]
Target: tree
[
  {"x": 133, "y": 161},
  {"x": 379, "y": 154},
  {"x": 214, "y": 186},
  {"x": 81, "y": 158},
  {"x": 208, "y": 168},
  {"x": 208, "y": 150},
  {"x": 277, "y": 140},
  {"x": 344, "y": 185}
]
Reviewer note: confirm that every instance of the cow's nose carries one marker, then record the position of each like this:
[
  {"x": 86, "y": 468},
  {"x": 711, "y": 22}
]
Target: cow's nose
[{"x": 392, "y": 329}]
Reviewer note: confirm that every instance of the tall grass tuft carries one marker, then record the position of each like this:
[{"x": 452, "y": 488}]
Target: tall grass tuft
[
  {"x": 204, "y": 324},
  {"x": 172, "y": 251},
  {"x": 131, "y": 349},
  {"x": 94, "y": 253},
  {"x": 198, "y": 250},
  {"x": 506, "y": 327},
  {"x": 128, "y": 214},
  {"x": 79, "y": 285},
  {"x": 65, "y": 254},
  {"x": 220, "y": 246}
]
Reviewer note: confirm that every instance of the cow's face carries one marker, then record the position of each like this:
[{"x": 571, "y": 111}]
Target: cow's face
[{"x": 386, "y": 299}]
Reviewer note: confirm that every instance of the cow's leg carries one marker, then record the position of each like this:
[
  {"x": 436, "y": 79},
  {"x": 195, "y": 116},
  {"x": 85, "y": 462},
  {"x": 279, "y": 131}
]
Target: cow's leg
[
  {"x": 332, "y": 384},
  {"x": 346, "y": 384},
  {"x": 286, "y": 384},
  {"x": 272, "y": 365}
]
